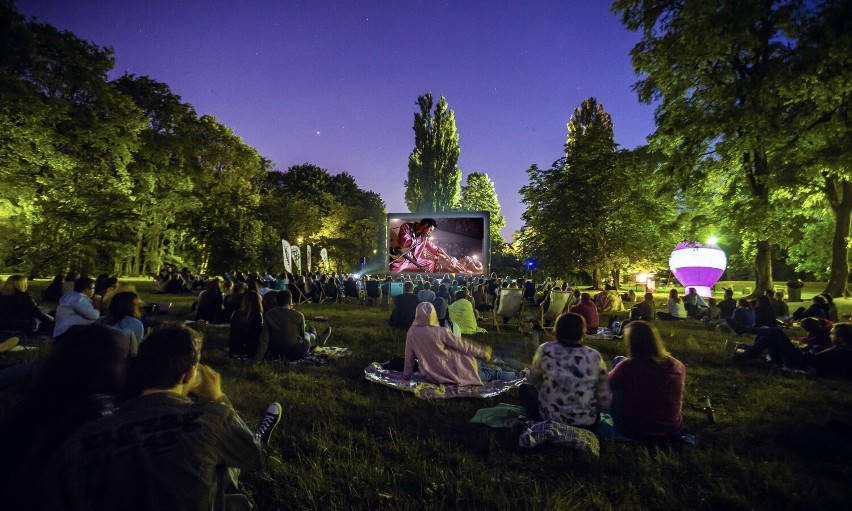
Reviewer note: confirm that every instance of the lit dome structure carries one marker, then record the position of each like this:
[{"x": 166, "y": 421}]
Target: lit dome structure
[{"x": 699, "y": 266}]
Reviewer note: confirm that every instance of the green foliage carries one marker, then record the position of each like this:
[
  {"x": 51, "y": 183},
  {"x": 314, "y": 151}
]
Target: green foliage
[
  {"x": 596, "y": 208},
  {"x": 478, "y": 194},
  {"x": 434, "y": 179}
]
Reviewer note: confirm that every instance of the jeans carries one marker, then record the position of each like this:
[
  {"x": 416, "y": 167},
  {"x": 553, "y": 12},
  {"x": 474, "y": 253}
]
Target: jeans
[{"x": 492, "y": 373}]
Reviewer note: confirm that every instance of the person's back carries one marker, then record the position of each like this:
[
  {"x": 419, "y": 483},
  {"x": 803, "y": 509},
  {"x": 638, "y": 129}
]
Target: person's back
[
  {"x": 404, "y": 307},
  {"x": 462, "y": 314},
  {"x": 160, "y": 450},
  {"x": 727, "y": 305},
  {"x": 75, "y": 308},
  {"x": 649, "y": 386},
  {"x": 589, "y": 311},
  {"x": 426, "y": 294}
]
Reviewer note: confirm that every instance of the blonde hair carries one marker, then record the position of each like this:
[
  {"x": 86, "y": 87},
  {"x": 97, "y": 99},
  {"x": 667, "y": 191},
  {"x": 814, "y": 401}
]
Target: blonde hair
[
  {"x": 14, "y": 284},
  {"x": 119, "y": 287}
]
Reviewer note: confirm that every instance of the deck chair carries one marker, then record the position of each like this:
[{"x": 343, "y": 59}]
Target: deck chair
[
  {"x": 510, "y": 304},
  {"x": 559, "y": 301},
  {"x": 395, "y": 289},
  {"x": 330, "y": 292},
  {"x": 351, "y": 291},
  {"x": 373, "y": 291}
]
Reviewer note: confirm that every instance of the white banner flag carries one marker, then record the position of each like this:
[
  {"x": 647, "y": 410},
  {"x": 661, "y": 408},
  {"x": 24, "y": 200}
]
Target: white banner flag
[
  {"x": 324, "y": 256},
  {"x": 308, "y": 257},
  {"x": 297, "y": 258},
  {"x": 285, "y": 247}
]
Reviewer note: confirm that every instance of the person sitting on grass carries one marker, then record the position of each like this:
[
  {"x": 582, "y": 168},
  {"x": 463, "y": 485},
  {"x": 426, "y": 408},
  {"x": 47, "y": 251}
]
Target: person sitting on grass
[
  {"x": 817, "y": 309},
  {"x": 125, "y": 316},
  {"x": 426, "y": 294},
  {"x": 404, "y": 307},
  {"x": 445, "y": 359},
  {"x": 285, "y": 334},
  {"x": 462, "y": 314},
  {"x": 712, "y": 315},
  {"x": 587, "y": 309},
  {"x": 675, "y": 308},
  {"x": 693, "y": 303},
  {"x": 75, "y": 308},
  {"x": 727, "y": 305},
  {"x": 743, "y": 315},
  {"x": 647, "y": 387},
  {"x": 763, "y": 312},
  {"x": 211, "y": 303},
  {"x": 834, "y": 361},
  {"x": 567, "y": 380},
  {"x": 831, "y": 309},
  {"x": 646, "y": 310},
  {"x": 247, "y": 325},
  {"x": 18, "y": 311},
  {"x": 162, "y": 449},
  {"x": 818, "y": 334},
  {"x": 79, "y": 382}
]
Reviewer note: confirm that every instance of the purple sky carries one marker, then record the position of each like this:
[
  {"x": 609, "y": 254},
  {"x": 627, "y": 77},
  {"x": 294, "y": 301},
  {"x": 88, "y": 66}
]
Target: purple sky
[{"x": 335, "y": 83}]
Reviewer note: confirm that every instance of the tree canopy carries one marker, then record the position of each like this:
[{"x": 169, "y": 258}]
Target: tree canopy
[{"x": 434, "y": 179}]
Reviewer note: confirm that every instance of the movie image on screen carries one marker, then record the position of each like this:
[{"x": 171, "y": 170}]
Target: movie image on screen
[{"x": 436, "y": 243}]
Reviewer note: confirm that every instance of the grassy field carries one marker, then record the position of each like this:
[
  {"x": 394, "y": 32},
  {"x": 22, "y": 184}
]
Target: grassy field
[{"x": 780, "y": 442}]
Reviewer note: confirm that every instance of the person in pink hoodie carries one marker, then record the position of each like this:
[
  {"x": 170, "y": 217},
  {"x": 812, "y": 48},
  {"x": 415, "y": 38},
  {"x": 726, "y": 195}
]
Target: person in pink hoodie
[{"x": 442, "y": 357}]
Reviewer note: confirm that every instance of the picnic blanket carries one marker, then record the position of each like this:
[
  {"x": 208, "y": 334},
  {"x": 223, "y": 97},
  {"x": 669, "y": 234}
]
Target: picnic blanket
[
  {"x": 425, "y": 390},
  {"x": 320, "y": 355},
  {"x": 603, "y": 333}
]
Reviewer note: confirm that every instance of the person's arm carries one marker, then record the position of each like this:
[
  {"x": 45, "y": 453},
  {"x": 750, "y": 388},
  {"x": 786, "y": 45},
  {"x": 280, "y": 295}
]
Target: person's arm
[
  {"x": 408, "y": 367},
  {"x": 603, "y": 394},
  {"x": 467, "y": 346},
  {"x": 536, "y": 374},
  {"x": 237, "y": 444},
  {"x": 616, "y": 377},
  {"x": 86, "y": 309}
]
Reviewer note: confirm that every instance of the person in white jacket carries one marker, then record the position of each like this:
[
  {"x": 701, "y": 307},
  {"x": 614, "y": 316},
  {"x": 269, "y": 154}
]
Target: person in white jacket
[{"x": 75, "y": 308}]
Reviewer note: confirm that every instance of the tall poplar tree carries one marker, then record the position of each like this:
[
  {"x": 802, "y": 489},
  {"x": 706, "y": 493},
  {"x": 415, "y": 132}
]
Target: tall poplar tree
[
  {"x": 434, "y": 179},
  {"x": 478, "y": 194}
]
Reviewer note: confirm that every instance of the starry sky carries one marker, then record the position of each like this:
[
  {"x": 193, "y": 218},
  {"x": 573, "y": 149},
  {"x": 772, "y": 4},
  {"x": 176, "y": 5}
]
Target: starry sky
[{"x": 335, "y": 83}]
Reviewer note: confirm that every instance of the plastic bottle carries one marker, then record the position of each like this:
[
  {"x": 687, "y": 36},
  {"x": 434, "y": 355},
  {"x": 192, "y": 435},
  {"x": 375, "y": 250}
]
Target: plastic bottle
[{"x": 709, "y": 411}]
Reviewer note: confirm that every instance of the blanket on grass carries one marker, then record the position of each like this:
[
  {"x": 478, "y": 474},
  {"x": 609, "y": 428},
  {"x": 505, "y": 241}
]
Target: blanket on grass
[
  {"x": 425, "y": 390},
  {"x": 320, "y": 355},
  {"x": 603, "y": 333}
]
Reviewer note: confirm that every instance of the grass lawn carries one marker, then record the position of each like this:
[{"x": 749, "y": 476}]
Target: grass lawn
[{"x": 780, "y": 442}]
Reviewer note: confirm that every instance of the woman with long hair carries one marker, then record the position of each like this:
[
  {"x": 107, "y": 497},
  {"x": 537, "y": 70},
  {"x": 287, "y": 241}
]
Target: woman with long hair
[
  {"x": 18, "y": 310},
  {"x": 647, "y": 387},
  {"x": 567, "y": 380},
  {"x": 210, "y": 302},
  {"x": 125, "y": 316},
  {"x": 675, "y": 307},
  {"x": 246, "y": 326}
]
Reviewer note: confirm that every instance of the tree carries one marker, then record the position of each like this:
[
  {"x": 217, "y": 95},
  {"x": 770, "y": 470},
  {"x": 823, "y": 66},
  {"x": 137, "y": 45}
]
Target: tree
[
  {"x": 68, "y": 138},
  {"x": 819, "y": 100},
  {"x": 592, "y": 209},
  {"x": 479, "y": 195},
  {"x": 434, "y": 179},
  {"x": 716, "y": 70}
]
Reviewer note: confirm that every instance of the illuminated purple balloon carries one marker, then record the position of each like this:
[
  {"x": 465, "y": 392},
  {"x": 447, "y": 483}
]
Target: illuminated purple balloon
[{"x": 699, "y": 266}]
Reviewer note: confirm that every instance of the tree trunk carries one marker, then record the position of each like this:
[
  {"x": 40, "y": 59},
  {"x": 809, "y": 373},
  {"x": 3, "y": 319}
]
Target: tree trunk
[
  {"x": 596, "y": 278},
  {"x": 842, "y": 209},
  {"x": 763, "y": 268},
  {"x": 616, "y": 277}
]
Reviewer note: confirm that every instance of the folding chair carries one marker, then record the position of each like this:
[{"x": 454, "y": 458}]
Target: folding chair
[
  {"x": 559, "y": 301},
  {"x": 374, "y": 291},
  {"x": 510, "y": 304}
]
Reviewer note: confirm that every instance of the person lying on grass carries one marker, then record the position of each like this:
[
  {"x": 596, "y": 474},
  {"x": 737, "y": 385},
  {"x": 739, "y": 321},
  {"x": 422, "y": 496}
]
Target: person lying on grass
[
  {"x": 568, "y": 381},
  {"x": 443, "y": 358},
  {"x": 647, "y": 387},
  {"x": 834, "y": 361}
]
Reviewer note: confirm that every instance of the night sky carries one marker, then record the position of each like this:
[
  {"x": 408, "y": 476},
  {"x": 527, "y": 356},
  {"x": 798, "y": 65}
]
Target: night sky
[{"x": 335, "y": 83}]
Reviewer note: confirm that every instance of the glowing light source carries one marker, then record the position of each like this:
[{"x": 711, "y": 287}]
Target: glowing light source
[
  {"x": 712, "y": 240},
  {"x": 699, "y": 266}
]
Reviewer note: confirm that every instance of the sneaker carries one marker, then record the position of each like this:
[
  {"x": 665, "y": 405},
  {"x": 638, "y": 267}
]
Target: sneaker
[
  {"x": 9, "y": 344},
  {"x": 270, "y": 420},
  {"x": 325, "y": 335}
]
